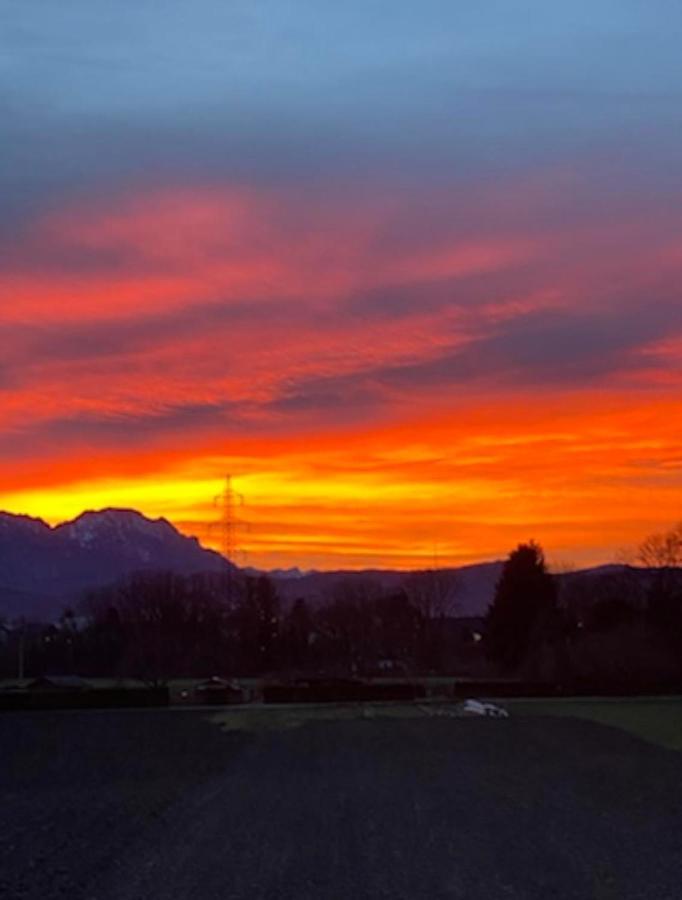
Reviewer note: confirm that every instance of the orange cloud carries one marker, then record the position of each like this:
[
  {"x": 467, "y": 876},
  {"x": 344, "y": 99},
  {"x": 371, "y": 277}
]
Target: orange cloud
[{"x": 378, "y": 395}]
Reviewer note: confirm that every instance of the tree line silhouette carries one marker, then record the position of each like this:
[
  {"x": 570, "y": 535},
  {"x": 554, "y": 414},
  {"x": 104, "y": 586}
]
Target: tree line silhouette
[
  {"x": 155, "y": 626},
  {"x": 621, "y": 627}
]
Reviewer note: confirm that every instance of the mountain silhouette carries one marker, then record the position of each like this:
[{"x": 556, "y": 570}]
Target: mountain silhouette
[{"x": 43, "y": 568}]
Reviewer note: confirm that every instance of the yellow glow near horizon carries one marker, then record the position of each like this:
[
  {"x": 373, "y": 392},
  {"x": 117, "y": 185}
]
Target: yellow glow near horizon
[
  {"x": 168, "y": 498},
  {"x": 363, "y": 504}
]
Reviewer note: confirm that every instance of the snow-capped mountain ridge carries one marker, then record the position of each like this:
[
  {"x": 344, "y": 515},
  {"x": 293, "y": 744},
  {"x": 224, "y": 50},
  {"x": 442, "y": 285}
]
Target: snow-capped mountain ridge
[
  {"x": 116, "y": 524},
  {"x": 45, "y": 566},
  {"x": 28, "y": 524}
]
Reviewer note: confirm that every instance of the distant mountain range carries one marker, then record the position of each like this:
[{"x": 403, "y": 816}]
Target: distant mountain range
[
  {"x": 470, "y": 588},
  {"x": 44, "y": 569}
]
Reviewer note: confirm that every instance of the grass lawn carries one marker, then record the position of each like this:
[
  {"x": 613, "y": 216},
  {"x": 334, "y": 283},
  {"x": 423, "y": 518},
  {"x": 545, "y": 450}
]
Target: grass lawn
[
  {"x": 654, "y": 719},
  {"x": 657, "y": 720},
  {"x": 288, "y": 716}
]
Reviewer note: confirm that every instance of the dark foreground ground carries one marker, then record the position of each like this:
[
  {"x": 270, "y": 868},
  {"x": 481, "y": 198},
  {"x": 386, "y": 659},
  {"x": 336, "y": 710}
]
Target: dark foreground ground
[{"x": 162, "y": 804}]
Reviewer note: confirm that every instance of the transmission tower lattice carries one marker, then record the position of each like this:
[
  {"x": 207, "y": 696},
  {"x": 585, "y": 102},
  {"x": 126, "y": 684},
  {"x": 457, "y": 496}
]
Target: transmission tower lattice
[{"x": 228, "y": 502}]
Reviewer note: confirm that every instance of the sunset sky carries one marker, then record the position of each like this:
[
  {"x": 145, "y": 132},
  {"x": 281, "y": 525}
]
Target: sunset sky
[{"x": 410, "y": 272}]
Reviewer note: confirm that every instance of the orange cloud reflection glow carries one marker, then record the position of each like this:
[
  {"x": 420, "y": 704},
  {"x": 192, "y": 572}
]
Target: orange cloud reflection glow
[{"x": 378, "y": 397}]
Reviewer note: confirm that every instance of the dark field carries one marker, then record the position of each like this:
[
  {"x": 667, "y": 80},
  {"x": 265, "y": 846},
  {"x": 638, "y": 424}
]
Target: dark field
[{"x": 171, "y": 804}]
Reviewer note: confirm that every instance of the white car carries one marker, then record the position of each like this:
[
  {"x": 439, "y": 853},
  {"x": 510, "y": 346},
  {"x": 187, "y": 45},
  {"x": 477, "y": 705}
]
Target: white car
[{"x": 479, "y": 708}]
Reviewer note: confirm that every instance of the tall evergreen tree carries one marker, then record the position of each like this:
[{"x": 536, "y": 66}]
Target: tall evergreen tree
[{"x": 525, "y": 601}]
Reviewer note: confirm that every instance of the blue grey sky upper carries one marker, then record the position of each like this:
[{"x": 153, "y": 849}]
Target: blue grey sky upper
[{"x": 92, "y": 92}]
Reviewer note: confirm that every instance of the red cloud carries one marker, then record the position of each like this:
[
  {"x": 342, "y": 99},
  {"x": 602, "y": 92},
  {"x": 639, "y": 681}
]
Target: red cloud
[{"x": 328, "y": 337}]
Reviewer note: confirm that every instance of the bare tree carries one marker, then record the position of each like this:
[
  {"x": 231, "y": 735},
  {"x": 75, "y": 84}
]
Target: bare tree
[
  {"x": 662, "y": 550},
  {"x": 433, "y": 592}
]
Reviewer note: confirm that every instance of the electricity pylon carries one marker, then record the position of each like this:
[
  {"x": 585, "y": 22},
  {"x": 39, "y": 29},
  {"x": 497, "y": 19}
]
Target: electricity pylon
[{"x": 228, "y": 502}]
